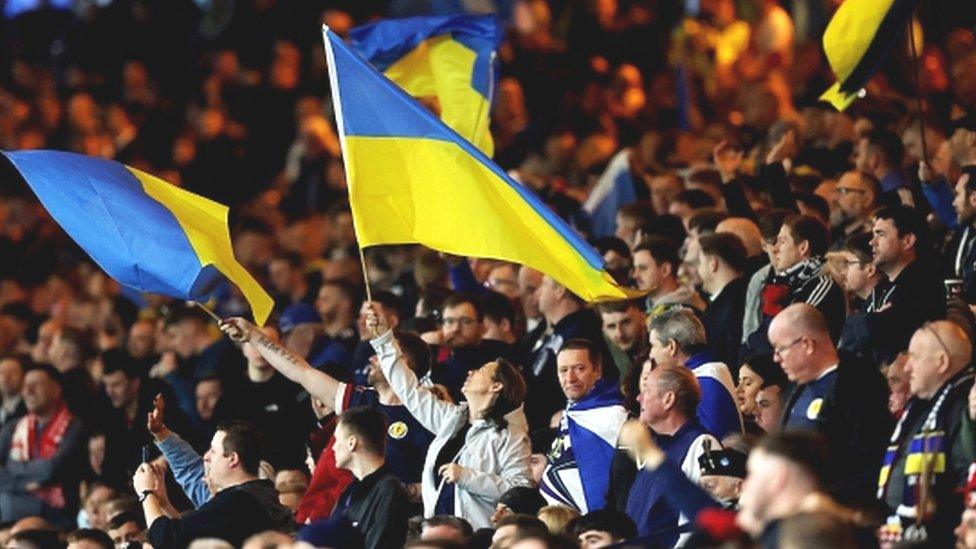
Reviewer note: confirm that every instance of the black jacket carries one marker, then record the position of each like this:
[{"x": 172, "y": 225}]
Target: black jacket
[
  {"x": 723, "y": 320},
  {"x": 895, "y": 310},
  {"x": 856, "y": 423},
  {"x": 234, "y": 514},
  {"x": 377, "y": 506}
]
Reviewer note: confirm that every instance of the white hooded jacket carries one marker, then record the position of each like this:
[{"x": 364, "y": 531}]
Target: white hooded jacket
[{"x": 493, "y": 460}]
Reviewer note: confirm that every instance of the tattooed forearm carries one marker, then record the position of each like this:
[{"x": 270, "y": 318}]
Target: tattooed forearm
[{"x": 271, "y": 345}]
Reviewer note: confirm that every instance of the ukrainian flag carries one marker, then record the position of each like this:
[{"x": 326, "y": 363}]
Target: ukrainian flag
[
  {"x": 413, "y": 180},
  {"x": 450, "y": 59},
  {"x": 145, "y": 233},
  {"x": 856, "y": 41}
]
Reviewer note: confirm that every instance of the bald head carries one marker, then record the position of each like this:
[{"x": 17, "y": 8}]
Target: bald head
[
  {"x": 937, "y": 352},
  {"x": 746, "y": 230},
  {"x": 802, "y": 319}
]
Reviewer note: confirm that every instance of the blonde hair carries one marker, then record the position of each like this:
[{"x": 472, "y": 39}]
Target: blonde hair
[{"x": 557, "y": 518}]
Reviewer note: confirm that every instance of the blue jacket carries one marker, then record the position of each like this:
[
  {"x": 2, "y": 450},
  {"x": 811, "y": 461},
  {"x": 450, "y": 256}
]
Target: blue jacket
[{"x": 717, "y": 410}]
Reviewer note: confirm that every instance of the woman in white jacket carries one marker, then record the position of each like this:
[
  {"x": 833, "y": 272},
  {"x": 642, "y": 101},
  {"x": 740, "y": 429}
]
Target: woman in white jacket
[{"x": 481, "y": 447}]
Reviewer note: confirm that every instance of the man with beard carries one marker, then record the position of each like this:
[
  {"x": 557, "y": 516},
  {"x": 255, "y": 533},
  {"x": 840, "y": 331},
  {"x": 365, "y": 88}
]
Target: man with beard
[
  {"x": 624, "y": 326},
  {"x": 960, "y": 255},
  {"x": 850, "y": 211}
]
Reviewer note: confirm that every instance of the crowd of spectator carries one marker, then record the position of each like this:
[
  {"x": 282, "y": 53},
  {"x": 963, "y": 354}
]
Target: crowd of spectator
[{"x": 799, "y": 374}]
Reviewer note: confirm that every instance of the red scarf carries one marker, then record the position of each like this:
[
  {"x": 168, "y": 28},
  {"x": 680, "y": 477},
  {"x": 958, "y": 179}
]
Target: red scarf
[{"x": 25, "y": 439}]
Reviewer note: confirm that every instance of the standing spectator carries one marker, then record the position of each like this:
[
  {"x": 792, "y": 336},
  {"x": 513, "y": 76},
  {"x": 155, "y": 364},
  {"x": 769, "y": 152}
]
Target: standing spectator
[
  {"x": 41, "y": 454},
  {"x": 375, "y": 503},
  {"x": 579, "y": 462},
  {"x": 678, "y": 339},
  {"x": 721, "y": 265},
  {"x": 624, "y": 325},
  {"x": 480, "y": 449},
  {"x": 843, "y": 399}
]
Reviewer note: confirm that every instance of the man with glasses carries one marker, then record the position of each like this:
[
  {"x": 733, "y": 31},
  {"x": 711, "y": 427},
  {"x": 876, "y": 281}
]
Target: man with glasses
[
  {"x": 860, "y": 276},
  {"x": 851, "y": 207},
  {"x": 839, "y": 397},
  {"x": 928, "y": 457},
  {"x": 464, "y": 347}
]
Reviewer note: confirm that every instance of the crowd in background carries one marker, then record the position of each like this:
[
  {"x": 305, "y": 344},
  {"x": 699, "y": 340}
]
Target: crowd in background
[{"x": 799, "y": 373}]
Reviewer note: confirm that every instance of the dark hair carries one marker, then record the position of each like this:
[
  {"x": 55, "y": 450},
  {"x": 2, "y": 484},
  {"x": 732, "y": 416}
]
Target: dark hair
[
  {"x": 460, "y": 298},
  {"x": 498, "y": 307},
  {"x": 695, "y": 199},
  {"x": 810, "y": 229},
  {"x": 727, "y": 247},
  {"x": 860, "y": 246},
  {"x": 389, "y": 301},
  {"x": 458, "y": 523},
  {"x": 91, "y": 534},
  {"x": 907, "y": 220},
  {"x": 120, "y": 519},
  {"x": 581, "y": 344},
  {"x": 662, "y": 250},
  {"x": 971, "y": 183},
  {"x": 511, "y": 396},
  {"x": 41, "y": 539},
  {"x": 369, "y": 425},
  {"x": 51, "y": 372},
  {"x": 612, "y": 243},
  {"x": 771, "y": 222},
  {"x": 433, "y": 298},
  {"x": 523, "y": 500},
  {"x": 642, "y": 212},
  {"x": 615, "y": 523},
  {"x": 245, "y": 439},
  {"x": 186, "y": 314},
  {"x": 705, "y": 221},
  {"x": 666, "y": 226},
  {"x": 814, "y": 202},
  {"x": 706, "y": 176},
  {"x": 118, "y": 360},
  {"x": 807, "y": 449},
  {"x": 416, "y": 351},
  {"x": 888, "y": 145},
  {"x": 23, "y": 361},
  {"x": 524, "y": 524},
  {"x": 349, "y": 290},
  {"x": 79, "y": 340}
]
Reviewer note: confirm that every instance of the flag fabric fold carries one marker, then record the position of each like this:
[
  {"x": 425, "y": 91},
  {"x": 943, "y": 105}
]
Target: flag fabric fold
[
  {"x": 413, "y": 180},
  {"x": 449, "y": 58},
  {"x": 144, "y": 232},
  {"x": 857, "y": 39},
  {"x": 613, "y": 190}
]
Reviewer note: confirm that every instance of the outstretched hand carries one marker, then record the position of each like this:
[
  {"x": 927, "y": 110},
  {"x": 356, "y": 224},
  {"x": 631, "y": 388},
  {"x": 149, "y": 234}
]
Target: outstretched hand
[
  {"x": 237, "y": 329},
  {"x": 376, "y": 321},
  {"x": 154, "y": 422}
]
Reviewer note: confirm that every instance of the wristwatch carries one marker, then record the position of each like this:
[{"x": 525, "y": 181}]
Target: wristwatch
[{"x": 145, "y": 494}]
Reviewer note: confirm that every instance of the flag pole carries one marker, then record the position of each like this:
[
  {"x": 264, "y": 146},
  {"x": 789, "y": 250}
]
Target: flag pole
[
  {"x": 918, "y": 89},
  {"x": 207, "y": 310},
  {"x": 369, "y": 290}
]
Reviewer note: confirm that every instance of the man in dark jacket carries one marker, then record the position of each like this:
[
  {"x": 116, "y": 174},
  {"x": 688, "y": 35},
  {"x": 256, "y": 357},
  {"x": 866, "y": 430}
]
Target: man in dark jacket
[
  {"x": 242, "y": 506},
  {"x": 842, "y": 399},
  {"x": 721, "y": 263},
  {"x": 928, "y": 443},
  {"x": 911, "y": 295},
  {"x": 375, "y": 503}
]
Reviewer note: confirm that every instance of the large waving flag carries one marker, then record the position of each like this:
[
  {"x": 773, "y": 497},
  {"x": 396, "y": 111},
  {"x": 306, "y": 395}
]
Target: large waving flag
[
  {"x": 413, "y": 180},
  {"x": 857, "y": 40},
  {"x": 450, "y": 58},
  {"x": 145, "y": 233}
]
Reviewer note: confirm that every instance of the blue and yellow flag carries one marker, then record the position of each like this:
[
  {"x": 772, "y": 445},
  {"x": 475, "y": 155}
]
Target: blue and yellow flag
[
  {"x": 856, "y": 41},
  {"x": 413, "y": 180},
  {"x": 144, "y": 232},
  {"x": 447, "y": 58}
]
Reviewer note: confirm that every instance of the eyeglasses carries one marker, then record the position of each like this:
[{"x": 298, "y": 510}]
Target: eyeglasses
[
  {"x": 780, "y": 351},
  {"x": 848, "y": 190},
  {"x": 461, "y": 321}
]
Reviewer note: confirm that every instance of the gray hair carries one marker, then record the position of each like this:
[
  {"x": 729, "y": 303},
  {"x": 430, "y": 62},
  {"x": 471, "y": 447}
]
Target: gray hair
[
  {"x": 682, "y": 382},
  {"x": 680, "y": 325}
]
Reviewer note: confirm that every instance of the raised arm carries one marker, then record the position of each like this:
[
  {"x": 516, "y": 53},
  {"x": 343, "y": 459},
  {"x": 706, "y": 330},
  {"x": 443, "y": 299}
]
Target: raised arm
[{"x": 318, "y": 384}]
